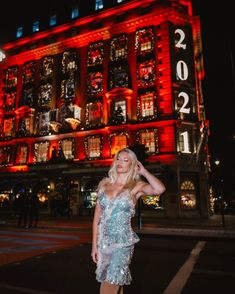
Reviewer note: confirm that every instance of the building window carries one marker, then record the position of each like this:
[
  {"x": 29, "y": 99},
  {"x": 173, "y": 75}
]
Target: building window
[
  {"x": 27, "y": 97},
  {"x": 118, "y": 142},
  {"x": 24, "y": 127},
  {"x": 67, "y": 146},
  {"x": 35, "y": 26},
  {"x": 144, "y": 41},
  {"x": 8, "y": 127},
  {"x": 147, "y": 105},
  {"x": 149, "y": 139},
  {"x": 10, "y": 98},
  {"x": 118, "y": 48},
  {"x": 46, "y": 67},
  {"x": 99, "y": 4},
  {"x": 74, "y": 13},
  {"x": 29, "y": 69},
  {"x": 118, "y": 112},
  {"x": 5, "y": 155},
  {"x": 69, "y": 63},
  {"x": 119, "y": 77},
  {"x": 21, "y": 154},
  {"x": 10, "y": 77},
  {"x": 95, "y": 82},
  {"x": 188, "y": 195},
  {"x": 146, "y": 73},
  {"x": 95, "y": 54},
  {"x": 41, "y": 151},
  {"x": 19, "y": 32},
  {"x": 52, "y": 20},
  {"x": 94, "y": 114},
  {"x": 45, "y": 94},
  {"x": 94, "y": 148},
  {"x": 68, "y": 89},
  {"x": 44, "y": 123}
]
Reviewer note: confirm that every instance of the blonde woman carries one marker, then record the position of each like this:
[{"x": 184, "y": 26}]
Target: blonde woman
[{"x": 113, "y": 238}]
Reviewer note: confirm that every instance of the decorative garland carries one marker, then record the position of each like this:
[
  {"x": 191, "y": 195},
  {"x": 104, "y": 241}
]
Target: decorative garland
[
  {"x": 139, "y": 106},
  {"x": 118, "y": 48},
  {"x": 95, "y": 54},
  {"x": 144, "y": 41},
  {"x": 10, "y": 77},
  {"x": 47, "y": 67},
  {"x": 29, "y": 69}
]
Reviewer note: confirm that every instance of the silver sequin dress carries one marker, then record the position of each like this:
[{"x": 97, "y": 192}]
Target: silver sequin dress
[{"x": 116, "y": 238}]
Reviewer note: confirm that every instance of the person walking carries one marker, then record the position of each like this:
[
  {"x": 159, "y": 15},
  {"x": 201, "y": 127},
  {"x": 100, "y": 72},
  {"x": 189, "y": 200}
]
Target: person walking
[{"x": 112, "y": 236}]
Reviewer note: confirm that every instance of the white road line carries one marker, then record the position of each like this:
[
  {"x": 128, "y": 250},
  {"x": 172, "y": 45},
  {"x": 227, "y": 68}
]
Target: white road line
[
  {"x": 22, "y": 289},
  {"x": 178, "y": 282}
]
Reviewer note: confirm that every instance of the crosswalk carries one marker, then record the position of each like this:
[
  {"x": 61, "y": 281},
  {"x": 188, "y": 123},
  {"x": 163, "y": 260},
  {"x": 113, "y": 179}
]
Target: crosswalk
[{"x": 18, "y": 244}]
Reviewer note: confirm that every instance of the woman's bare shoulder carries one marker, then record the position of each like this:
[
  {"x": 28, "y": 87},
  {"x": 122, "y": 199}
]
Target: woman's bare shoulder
[{"x": 103, "y": 183}]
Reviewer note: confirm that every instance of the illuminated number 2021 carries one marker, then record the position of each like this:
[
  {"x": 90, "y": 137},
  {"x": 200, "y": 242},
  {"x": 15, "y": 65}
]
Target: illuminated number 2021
[
  {"x": 183, "y": 108},
  {"x": 185, "y": 148},
  {"x": 182, "y": 70},
  {"x": 179, "y": 43}
]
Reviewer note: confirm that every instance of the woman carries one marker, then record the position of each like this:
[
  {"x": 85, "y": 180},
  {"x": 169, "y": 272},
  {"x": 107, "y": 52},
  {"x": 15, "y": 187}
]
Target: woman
[{"x": 113, "y": 238}]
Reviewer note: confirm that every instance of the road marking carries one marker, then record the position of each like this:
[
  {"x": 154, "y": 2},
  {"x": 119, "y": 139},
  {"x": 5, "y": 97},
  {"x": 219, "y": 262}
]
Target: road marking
[
  {"x": 178, "y": 282},
  {"x": 22, "y": 289}
]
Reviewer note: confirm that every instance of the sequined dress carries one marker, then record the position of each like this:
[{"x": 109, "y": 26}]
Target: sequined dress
[{"x": 116, "y": 238}]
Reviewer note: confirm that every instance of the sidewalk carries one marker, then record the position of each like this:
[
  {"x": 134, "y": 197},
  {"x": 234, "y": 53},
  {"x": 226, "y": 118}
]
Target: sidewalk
[{"x": 211, "y": 227}]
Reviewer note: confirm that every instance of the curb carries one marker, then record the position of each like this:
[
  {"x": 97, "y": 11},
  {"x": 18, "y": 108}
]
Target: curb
[{"x": 206, "y": 233}]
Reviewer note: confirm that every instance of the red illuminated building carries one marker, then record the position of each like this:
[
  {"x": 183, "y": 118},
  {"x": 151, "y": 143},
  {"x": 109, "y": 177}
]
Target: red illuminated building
[{"x": 118, "y": 76}]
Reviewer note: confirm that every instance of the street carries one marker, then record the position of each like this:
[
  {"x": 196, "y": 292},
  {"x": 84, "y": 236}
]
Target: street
[{"x": 161, "y": 264}]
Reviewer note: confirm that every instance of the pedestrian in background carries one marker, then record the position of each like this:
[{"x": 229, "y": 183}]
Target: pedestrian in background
[
  {"x": 113, "y": 238},
  {"x": 23, "y": 208},
  {"x": 33, "y": 209}
]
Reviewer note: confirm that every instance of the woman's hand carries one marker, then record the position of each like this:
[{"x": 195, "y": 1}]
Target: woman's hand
[
  {"x": 94, "y": 255},
  {"x": 140, "y": 168}
]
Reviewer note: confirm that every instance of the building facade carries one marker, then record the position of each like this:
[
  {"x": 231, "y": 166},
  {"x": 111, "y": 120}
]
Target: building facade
[{"x": 128, "y": 74}]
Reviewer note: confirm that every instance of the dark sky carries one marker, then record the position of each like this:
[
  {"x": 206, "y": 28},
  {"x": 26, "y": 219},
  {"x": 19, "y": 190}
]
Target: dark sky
[{"x": 218, "y": 40}]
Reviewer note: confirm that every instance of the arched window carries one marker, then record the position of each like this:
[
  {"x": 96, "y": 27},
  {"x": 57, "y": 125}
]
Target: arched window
[{"x": 188, "y": 195}]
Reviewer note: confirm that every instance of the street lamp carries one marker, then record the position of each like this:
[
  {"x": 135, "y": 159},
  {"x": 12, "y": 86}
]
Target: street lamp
[
  {"x": 221, "y": 196},
  {"x": 2, "y": 56},
  {"x": 217, "y": 162}
]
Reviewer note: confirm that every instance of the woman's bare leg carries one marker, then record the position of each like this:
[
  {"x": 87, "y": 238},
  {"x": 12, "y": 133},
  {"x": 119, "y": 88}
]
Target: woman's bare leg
[
  {"x": 107, "y": 288},
  {"x": 120, "y": 290}
]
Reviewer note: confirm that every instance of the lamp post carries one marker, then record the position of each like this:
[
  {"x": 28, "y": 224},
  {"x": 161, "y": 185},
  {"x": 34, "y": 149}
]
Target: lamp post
[
  {"x": 2, "y": 56},
  {"x": 221, "y": 196}
]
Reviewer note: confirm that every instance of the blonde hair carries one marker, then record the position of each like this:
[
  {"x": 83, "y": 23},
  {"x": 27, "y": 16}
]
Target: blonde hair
[{"x": 132, "y": 176}]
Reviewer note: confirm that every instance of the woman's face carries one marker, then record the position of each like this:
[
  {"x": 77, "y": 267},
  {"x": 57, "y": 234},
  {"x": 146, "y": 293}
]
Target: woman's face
[{"x": 123, "y": 162}]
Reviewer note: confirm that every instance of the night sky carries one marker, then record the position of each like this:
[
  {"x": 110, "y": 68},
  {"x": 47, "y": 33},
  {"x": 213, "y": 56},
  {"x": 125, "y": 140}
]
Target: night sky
[{"x": 218, "y": 41}]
